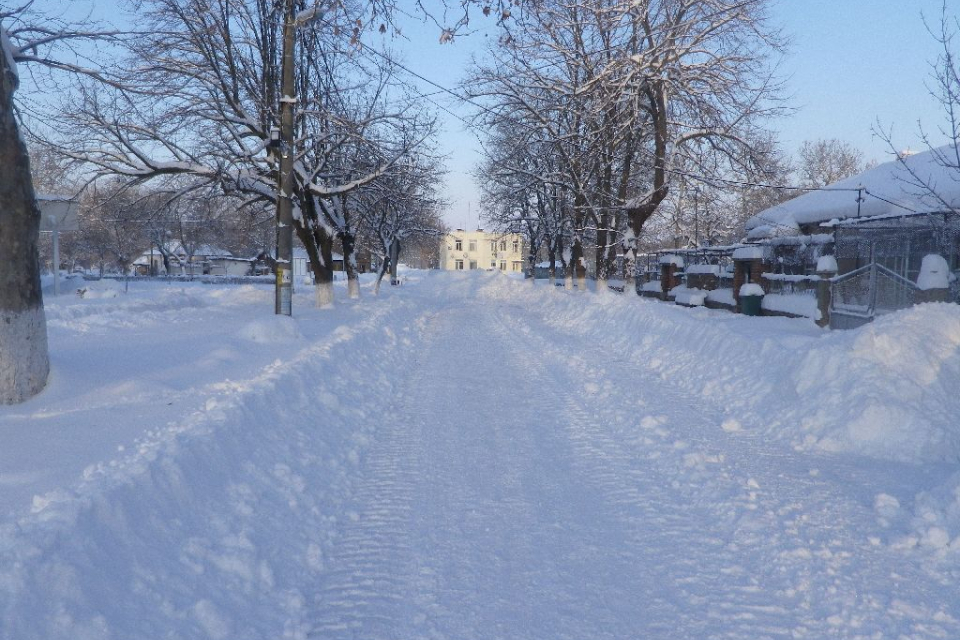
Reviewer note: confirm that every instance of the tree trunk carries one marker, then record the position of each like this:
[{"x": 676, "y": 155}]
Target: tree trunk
[
  {"x": 552, "y": 257},
  {"x": 600, "y": 261},
  {"x": 350, "y": 265},
  {"x": 394, "y": 261},
  {"x": 384, "y": 265},
  {"x": 319, "y": 246},
  {"x": 323, "y": 273},
  {"x": 576, "y": 264},
  {"x": 24, "y": 359}
]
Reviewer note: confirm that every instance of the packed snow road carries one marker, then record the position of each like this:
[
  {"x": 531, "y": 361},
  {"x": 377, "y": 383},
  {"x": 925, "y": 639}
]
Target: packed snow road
[
  {"x": 469, "y": 456},
  {"x": 534, "y": 483}
]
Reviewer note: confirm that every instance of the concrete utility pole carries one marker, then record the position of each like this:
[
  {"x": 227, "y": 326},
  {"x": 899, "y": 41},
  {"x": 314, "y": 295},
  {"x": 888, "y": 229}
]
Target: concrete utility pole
[{"x": 284, "y": 268}]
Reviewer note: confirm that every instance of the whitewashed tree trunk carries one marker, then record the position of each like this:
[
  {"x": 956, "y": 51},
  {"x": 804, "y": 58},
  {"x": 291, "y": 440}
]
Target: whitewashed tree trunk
[
  {"x": 24, "y": 359},
  {"x": 324, "y": 293},
  {"x": 353, "y": 287}
]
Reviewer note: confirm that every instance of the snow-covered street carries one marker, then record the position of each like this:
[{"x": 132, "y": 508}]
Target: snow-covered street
[{"x": 471, "y": 456}]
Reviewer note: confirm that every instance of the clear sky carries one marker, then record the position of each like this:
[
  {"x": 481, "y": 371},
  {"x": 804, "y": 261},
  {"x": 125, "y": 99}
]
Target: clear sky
[{"x": 851, "y": 64}]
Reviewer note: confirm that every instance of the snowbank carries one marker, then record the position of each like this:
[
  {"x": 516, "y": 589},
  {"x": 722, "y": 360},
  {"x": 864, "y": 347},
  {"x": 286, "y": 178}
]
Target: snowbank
[
  {"x": 722, "y": 296},
  {"x": 689, "y": 297},
  {"x": 211, "y": 524},
  {"x": 653, "y": 285},
  {"x": 887, "y": 390},
  {"x": 795, "y": 304}
]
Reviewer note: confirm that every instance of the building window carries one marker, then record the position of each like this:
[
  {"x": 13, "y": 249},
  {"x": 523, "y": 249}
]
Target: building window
[
  {"x": 503, "y": 245},
  {"x": 473, "y": 264},
  {"x": 459, "y": 245},
  {"x": 503, "y": 265},
  {"x": 473, "y": 246},
  {"x": 516, "y": 246},
  {"x": 493, "y": 247},
  {"x": 493, "y": 264},
  {"x": 516, "y": 265},
  {"x": 459, "y": 265}
]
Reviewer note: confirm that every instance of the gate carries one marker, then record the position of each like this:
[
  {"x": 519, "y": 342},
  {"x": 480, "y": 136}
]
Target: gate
[{"x": 857, "y": 297}]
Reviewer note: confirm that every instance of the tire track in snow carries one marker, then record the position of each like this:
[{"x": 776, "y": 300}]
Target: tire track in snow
[
  {"x": 740, "y": 558},
  {"x": 471, "y": 522},
  {"x": 366, "y": 591}
]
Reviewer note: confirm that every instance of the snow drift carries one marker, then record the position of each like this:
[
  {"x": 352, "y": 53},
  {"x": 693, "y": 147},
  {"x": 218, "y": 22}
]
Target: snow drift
[{"x": 887, "y": 390}]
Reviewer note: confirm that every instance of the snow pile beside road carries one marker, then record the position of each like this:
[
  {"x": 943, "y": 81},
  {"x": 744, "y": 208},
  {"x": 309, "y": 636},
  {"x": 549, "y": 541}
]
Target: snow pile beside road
[
  {"x": 212, "y": 525},
  {"x": 887, "y": 390}
]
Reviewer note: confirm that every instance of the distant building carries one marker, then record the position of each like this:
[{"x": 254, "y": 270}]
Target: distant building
[
  {"x": 465, "y": 250},
  {"x": 301, "y": 264},
  {"x": 203, "y": 260}
]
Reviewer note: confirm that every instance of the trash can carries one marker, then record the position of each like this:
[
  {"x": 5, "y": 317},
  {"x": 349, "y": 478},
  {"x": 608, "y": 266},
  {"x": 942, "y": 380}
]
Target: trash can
[
  {"x": 751, "y": 297},
  {"x": 750, "y": 305}
]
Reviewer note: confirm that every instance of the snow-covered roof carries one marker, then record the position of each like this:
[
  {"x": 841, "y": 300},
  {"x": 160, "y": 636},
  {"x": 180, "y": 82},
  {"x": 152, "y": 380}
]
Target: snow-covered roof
[
  {"x": 175, "y": 249},
  {"x": 889, "y": 189},
  {"x": 210, "y": 251}
]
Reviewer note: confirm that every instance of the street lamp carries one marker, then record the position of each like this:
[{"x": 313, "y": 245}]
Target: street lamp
[{"x": 284, "y": 144}]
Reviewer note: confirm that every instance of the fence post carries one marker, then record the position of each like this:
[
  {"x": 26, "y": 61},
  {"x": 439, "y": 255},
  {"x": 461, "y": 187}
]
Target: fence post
[
  {"x": 933, "y": 283},
  {"x": 826, "y": 269}
]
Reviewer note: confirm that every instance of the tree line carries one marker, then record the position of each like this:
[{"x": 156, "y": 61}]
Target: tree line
[{"x": 612, "y": 128}]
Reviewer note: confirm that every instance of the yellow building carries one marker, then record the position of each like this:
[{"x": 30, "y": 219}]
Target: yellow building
[{"x": 462, "y": 250}]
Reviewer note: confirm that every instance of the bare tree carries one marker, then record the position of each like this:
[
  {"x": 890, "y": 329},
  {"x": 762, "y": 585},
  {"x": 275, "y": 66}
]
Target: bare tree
[
  {"x": 930, "y": 182},
  {"x": 523, "y": 189},
  {"x": 401, "y": 205},
  {"x": 202, "y": 98},
  {"x": 634, "y": 94},
  {"x": 824, "y": 162}
]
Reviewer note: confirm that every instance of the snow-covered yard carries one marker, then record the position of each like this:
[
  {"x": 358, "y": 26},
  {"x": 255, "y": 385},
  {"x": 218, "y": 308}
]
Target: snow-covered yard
[{"x": 473, "y": 456}]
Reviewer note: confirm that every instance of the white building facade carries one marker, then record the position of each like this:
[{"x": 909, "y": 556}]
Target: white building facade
[{"x": 465, "y": 250}]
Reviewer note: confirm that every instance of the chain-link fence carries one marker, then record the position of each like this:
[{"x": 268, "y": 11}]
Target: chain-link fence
[{"x": 860, "y": 295}]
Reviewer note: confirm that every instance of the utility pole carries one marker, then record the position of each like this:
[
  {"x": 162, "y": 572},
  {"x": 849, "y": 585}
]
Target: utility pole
[{"x": 284, "y": 263}]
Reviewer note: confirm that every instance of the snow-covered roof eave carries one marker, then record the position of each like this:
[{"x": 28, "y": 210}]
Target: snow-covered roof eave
[
  {"x": 888, "y": 190},
  {"x": 852, "y": 222}
]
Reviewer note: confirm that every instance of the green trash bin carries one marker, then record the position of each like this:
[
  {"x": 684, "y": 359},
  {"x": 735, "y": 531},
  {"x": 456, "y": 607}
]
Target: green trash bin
[
  {"x": 750, "y": 305},
  {"x": 751, "y": 297}
]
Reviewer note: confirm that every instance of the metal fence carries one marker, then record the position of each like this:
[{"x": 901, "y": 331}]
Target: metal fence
[{"x": 859, "y": 296}]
